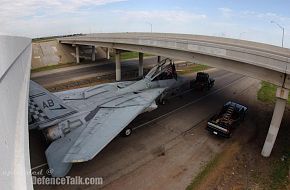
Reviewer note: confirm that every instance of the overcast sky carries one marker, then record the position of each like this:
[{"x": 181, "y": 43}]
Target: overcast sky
[{"x": 244, "y": 19}]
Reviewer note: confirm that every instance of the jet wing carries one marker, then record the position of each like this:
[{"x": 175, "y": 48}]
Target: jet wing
[
  {"x": 104, "y": 124},
  {"x": 108, "y": 122},
  {"x": 103, "y": 128}
]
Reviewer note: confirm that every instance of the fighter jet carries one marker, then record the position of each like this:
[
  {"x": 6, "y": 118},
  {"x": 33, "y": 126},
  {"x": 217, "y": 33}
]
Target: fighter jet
[{"x": 79, "y": 123}]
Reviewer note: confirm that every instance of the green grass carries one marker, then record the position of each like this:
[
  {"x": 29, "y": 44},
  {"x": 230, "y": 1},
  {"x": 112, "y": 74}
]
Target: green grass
[
  {"x": 124, "y": 56},
  {"x": 49, "y": 38},
  {"x": 51, "y": 67},
  {"x": 279, "y": 170},
  {"x": 43, "y": 40},
  {"x": 194, "y": 68},
  {"x": 204, "y": 173},
  {"x": 130, "y": 55},
  {"x": 267, "y": 93},
  {"x": 279, "y": 173}
]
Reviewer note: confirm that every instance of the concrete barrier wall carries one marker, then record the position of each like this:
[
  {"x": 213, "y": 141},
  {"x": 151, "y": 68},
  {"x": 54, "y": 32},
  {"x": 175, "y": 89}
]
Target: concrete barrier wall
[
  {"x": 46, "y": 53},
  {"x": 15, "y": 61}
]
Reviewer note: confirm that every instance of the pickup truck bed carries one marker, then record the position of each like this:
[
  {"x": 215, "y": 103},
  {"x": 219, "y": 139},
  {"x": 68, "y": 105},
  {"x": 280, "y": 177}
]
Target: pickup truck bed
[{"x": 227, "y": 119}]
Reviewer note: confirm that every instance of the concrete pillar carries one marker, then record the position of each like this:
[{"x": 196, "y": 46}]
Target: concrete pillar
[
  {"x": 108, "y": 53},
  {"x": 118, "y": 65},
  {"x": 93, "y": 53},
  {"x": 158, "y": 59},
  {"x": 77, "y": 54},
  {"x": 141, "y": 55},
  {"x": 282, "y": 96}
]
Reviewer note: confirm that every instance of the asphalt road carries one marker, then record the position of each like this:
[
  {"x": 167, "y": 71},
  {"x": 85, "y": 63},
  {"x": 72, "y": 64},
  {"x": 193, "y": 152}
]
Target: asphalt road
[
  {"x": 86, "y": 72},
  {"x": 168, "y": 147}
]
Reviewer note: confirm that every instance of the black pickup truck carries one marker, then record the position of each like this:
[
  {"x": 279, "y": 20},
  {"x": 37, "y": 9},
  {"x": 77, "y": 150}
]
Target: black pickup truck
[
  {"x": 202, "y": 82},
  {"x": 223, "y": 123}
]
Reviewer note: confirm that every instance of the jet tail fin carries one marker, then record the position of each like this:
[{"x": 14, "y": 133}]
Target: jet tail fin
[{"x": 44, "y": 106}]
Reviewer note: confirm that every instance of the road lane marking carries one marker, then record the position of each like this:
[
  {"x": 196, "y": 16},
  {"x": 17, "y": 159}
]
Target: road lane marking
[{"x": 190, "y": 103}]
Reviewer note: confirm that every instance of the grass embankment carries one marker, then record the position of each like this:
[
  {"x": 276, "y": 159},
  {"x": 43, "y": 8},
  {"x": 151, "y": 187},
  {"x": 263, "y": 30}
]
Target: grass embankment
[
  {"x": 124, "y": 56},
  {"x": 51, "y": 67},
  {"x": 278, "y": 168},
  {"x": 279, "y": 172},
  {"x": 50, "y": 38},
  {"x": 212, "y": 170},
  {"x": 267, "y": 93},
  {"x": 130, "y": 55},
  {"x": 45, "y": 39},
  {"x": 195, "y": 183},
  {"x": 193, "y": 68}
]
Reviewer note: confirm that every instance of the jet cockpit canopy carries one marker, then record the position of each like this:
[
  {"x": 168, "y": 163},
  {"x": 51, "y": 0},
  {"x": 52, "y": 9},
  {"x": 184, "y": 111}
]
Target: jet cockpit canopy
[{"x": 162, "y": 71}]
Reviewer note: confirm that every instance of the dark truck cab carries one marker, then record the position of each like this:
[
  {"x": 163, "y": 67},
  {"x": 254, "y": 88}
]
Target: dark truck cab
[
  {"x": 202, "y": 82},
  {"x": 227, "y": 119}
]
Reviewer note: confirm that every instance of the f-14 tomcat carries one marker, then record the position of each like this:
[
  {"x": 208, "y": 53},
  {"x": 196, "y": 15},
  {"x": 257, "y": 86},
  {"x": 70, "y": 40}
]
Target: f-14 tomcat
[{"x": 81, "y": 122}]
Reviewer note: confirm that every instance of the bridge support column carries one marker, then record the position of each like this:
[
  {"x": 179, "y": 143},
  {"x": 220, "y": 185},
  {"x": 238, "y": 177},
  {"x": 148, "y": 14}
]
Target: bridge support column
[
  {"x": 282, "y": 96},
  {"x": 93, "y": 53},
  {"x": 108, "y": 53},
  {"x": 77, "y": 54},
  {"x": 118, "y": 65},
  {"x": 141, "y": 56},
  {"x": 158, "y": 59}
]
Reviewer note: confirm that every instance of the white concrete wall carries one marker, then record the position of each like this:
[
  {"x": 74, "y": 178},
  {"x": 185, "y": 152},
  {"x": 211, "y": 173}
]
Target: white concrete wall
[
  {"x": 46, "y": 53},
  {"x": 15, "y": 61}
]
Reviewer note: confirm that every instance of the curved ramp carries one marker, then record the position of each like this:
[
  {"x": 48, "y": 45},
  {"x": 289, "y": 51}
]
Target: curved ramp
[{"x": 15, "y": 59}]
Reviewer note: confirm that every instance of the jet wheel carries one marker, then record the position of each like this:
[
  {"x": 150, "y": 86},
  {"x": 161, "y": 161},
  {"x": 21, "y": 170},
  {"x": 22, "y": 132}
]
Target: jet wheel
[{"x": 127, "y": 132}]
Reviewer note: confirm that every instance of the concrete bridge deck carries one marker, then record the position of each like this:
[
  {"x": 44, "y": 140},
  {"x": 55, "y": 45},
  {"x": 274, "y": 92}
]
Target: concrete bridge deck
[{"x": 253, "y": 59}]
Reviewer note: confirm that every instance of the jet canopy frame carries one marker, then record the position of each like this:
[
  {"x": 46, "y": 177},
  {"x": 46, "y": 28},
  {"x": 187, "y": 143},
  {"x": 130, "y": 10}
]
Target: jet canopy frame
[{"x": 164, "y": 70}]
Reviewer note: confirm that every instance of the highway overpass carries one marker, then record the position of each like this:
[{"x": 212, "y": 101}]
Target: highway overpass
[{"x": 261, "y": 61}]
